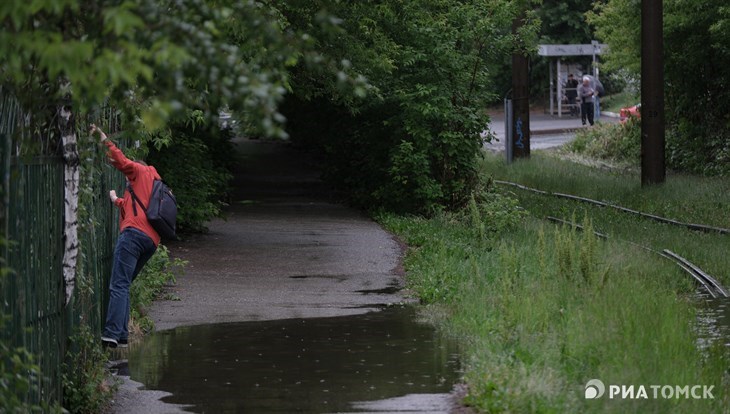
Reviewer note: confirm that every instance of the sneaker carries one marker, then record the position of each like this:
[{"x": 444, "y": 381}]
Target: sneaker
[
  {"x": 109, "y": 342},
  {"x": 122, "y": 343}
]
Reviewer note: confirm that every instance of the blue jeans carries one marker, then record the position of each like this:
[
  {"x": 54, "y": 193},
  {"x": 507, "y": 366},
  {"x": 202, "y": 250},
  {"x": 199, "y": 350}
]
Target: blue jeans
[{"x": 133, "y": 250}]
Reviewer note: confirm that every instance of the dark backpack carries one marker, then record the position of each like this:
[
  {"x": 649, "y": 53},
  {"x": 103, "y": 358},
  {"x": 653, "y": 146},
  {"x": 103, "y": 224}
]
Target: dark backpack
[
  {"x": 600, "y": 90},
  {"x": 161, "y": 211}
]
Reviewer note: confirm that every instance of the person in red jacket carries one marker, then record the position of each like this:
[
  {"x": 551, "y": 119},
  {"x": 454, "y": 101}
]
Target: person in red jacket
[{"x": 136, "y": 244}]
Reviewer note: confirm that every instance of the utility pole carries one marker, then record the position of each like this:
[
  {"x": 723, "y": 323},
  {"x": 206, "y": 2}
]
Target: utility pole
[
  {"x": 653, "y": 169},
  {"x": 520, "y": 97}
]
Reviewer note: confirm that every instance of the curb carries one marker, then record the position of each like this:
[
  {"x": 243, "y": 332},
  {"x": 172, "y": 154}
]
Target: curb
[{"x": 555, "y": 131}]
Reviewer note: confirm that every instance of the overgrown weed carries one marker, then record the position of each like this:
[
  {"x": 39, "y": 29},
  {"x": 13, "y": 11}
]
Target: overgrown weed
[
  {"x": 87, "y": 385},
  {"x": 542, "y": 309}
]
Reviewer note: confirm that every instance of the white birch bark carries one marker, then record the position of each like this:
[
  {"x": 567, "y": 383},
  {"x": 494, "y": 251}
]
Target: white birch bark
[{"x": 71, "y": 199}]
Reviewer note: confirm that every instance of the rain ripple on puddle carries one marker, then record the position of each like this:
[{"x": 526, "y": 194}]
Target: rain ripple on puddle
[{"x": 299, "y": 365}]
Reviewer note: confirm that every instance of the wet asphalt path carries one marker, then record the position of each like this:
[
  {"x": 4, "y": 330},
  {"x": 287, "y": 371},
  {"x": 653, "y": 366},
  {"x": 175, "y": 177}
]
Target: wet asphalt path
[{"x": 285, "y": 250}]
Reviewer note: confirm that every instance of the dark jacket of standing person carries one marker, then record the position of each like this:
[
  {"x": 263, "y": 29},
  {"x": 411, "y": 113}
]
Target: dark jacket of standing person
[
  {"x": 587, "y": 94},
  {"x": 570, "y": 88}
]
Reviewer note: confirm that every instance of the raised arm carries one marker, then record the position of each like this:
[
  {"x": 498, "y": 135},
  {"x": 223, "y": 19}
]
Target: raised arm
[{"x": 119, "y": 160}]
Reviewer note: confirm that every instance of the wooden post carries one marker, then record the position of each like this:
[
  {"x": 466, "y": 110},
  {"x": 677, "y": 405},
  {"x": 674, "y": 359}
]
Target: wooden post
[
  {"x": 652, "y": 93},
  {"x": 521, "y": 98},
  {"x": 5, "y": 190}
]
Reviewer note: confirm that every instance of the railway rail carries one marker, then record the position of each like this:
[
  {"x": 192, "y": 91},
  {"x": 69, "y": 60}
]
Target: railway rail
[
  {"x": 691, "y": 226},
  {"x": 710, "y": 283}
]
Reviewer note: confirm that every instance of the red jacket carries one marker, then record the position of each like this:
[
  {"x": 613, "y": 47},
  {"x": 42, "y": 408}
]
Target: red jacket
[{"x": 140, "y": 177}]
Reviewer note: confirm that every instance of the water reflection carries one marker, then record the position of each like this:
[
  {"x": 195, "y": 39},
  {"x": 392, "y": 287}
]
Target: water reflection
[
  {"x": 713, "y": 320},
  {"x": 304, "y": 365}
]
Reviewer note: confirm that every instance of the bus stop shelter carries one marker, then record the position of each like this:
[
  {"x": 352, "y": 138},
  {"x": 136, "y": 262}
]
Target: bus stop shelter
[{"x": 557, "y": 52}]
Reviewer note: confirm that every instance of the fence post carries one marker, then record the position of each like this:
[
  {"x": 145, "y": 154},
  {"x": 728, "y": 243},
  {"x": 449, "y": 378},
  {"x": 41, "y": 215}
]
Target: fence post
[
  {"x": 5, "y": 191},
  {"x": 508, "y": 130},
  {"x": 4, "y": 205}
]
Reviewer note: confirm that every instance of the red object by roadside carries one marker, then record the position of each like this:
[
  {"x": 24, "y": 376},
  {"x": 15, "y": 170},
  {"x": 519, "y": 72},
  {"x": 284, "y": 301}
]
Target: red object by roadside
[{"x": 630, "y": 111}]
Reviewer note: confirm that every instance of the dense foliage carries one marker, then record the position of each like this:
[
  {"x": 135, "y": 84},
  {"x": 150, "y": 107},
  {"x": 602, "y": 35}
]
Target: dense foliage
[
  {"x": 561, "y": 22},
  {"x": 564, "y": 22},
  {"x": 197, "y": 167},
  {"x": 150, "y": 58},
  {"x": 413, "y": 142},
  {"x": 696, "y": 39},
  {"x": 405, "y": 82}
]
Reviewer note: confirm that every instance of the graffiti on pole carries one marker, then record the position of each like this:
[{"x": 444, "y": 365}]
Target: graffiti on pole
[{"x": 519, "y": 144}]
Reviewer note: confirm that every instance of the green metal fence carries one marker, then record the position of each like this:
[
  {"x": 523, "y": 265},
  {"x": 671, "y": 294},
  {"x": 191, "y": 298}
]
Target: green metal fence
[
  {"x": 36, "y": 298},
  {"x": 32, "y": 220}
]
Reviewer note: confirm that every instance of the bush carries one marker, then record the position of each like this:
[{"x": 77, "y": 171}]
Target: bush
[
  {"x": 614, "y": 142},
  {"x": 87, "y": 387},
  {"x": 413, "y": 143},
  {"x": 701, "y": 149},
  {"x": 490, "y": 213},
  {"x": 197, "y": 165},
  {"x": 411, "y": 186}
]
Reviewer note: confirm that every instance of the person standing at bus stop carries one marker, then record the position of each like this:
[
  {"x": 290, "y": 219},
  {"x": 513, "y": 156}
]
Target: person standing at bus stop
[
  {"x": 587, "y": 93},
  {"x": 136, "y": 244},
  {"x": 571, "y": 92}
]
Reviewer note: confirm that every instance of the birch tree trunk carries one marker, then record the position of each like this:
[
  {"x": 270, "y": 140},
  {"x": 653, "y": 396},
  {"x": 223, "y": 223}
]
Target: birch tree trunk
[{"x": 71, "y": 198}]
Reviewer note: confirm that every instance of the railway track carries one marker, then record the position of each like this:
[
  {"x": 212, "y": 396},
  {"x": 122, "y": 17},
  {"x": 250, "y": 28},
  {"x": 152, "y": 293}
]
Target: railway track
[
  {"x": 691, "y": 226},
  {"x": 712, "y": 285},
  {"x": 707, "y": 281}
]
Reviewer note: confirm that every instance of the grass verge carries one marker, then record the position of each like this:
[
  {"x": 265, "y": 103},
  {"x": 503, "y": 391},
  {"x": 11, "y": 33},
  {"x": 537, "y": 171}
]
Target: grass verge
[
  {"x": 543, "y": 309},
  {"x": 683, "y": 197},
  {"x": 614, "y": 103}
]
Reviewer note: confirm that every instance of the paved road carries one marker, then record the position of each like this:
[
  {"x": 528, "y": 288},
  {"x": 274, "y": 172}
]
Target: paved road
[
  {"x": 285, "y": 250},
  {"x": 546, "y": 131}
]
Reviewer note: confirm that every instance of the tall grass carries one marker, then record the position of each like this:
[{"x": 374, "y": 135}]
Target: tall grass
[
  {"x": 683, "y": 197},
  {"x": 541, "y": 309},
  {"x": 614, "y": 103}
]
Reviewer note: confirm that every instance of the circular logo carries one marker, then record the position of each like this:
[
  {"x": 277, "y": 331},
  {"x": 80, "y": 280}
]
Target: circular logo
[{"x": 594, "y": 389}]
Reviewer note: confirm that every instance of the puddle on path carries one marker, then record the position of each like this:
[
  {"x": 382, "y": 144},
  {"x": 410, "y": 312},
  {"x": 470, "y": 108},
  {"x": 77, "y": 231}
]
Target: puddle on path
[{"x": 298, "y": 365}]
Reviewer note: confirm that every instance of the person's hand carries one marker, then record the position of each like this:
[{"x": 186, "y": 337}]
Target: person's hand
[
  {"x": 113, "y": 195},
  {"x": 94, "y": 129}
]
